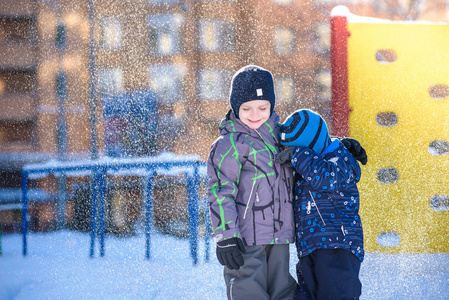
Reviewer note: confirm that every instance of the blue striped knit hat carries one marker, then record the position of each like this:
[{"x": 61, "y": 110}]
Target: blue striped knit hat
[{"x": 305, "y": 128}]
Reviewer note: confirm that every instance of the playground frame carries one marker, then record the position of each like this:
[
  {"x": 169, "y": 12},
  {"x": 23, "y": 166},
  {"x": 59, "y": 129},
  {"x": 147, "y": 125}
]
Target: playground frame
[{"x": 98, "y": 169}]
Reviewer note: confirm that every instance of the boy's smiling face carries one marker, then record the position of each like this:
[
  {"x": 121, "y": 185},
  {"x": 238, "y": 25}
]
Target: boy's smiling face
[{"x": 254, "y": 113}]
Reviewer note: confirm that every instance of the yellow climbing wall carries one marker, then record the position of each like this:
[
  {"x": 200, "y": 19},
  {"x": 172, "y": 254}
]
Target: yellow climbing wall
[{"x": 399, "y": 96}]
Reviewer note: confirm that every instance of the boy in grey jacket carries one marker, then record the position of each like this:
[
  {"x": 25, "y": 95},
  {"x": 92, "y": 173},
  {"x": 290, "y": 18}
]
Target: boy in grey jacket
[{"x": 250, "y": 196}]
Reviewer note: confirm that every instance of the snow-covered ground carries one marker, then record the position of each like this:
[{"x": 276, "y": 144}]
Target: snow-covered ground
[{"x": 58, "y": 266}]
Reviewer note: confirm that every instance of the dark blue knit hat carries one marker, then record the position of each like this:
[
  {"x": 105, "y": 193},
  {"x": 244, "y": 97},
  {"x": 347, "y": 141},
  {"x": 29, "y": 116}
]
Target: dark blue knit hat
[
  {"x": 251, "y": 83},
  {"x": 305, "y": 128}
]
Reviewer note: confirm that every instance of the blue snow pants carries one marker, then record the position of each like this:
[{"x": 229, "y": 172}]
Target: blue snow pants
[{"x": 328, "y": 274}]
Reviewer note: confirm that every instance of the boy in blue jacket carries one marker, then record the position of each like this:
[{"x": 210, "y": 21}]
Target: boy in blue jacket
[{"x": 329, "y": 235}]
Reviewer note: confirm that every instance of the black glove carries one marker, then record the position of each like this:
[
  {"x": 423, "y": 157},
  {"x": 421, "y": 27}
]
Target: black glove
[
  {"x": 356, "y": 149},
  {"x": 229, "y": 253},
  {"x": 284, "y": 158}
]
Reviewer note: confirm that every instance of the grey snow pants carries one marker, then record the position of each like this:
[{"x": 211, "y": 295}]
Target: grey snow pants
[{"x": 265, "y": 275}]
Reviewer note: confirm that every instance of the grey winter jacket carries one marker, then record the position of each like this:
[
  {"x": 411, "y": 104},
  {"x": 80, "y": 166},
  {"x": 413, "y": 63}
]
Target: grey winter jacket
[{"x": 250, "y": 196}]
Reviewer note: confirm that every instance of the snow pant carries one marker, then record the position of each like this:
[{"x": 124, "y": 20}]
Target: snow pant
[
  {"x": 264, "y": 275},
  {"x": 328, "y": 274}
]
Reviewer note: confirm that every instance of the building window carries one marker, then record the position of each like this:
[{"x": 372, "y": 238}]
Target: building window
[
  {"x": 285, "y": 88},
  {"x": 214, "y": 84},
  {"x": 323, "y": 37},
  {"x": 165, "y": 34},
  {"x": 17, "y": 81},
  {"x": 110, "y": 81},
  {"x": 16, "y": 131},
  {"x": 324, "y": 80},
  {"x": 284, "y": 40},
  {"x": 344, "y": 2},
  {"x": 17, "y": 30},
  {"x": 216, "y": 36},
  {"x": 283, "y": 2},
  {"x": 447, "y": 9},
  {"x": 110, "y": 33},
  {"x": 167, "y": 82},
  {"x": 2, "y": 85},
  {"x": 163, "y": 2}
]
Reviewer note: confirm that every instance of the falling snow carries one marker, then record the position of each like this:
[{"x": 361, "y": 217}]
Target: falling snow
[{"x": 182, "y": 60}]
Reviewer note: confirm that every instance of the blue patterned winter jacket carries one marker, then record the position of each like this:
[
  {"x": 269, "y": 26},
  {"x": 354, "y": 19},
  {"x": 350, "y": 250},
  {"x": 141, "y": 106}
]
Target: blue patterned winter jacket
[{"x": 326, "y": 203}]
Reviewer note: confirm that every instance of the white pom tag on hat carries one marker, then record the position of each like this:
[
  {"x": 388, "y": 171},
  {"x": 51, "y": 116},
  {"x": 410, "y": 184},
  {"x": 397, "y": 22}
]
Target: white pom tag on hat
[{"x": 259, "y": 92}]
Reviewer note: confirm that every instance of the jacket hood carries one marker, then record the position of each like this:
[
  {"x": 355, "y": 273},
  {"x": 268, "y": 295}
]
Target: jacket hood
[{"x": 230, "y": 123}]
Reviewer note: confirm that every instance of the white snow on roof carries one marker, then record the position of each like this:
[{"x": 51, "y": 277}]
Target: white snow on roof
[{"x": 343, "y": 11}]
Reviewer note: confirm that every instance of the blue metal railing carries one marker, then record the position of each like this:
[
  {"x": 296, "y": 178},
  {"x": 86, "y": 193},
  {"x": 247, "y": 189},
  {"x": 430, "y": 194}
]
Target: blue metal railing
[{"x": 146, "y": 167}]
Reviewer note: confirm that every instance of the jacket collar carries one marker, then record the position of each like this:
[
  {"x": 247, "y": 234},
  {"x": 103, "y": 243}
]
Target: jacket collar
[{"x": 231, "y": 123}]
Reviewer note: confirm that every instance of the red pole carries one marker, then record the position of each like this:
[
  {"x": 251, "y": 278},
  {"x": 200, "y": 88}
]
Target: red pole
[{"x": 339, "y": 67}]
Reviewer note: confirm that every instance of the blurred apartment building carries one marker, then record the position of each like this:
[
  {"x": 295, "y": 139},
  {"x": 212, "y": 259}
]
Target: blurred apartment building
[{"x": 185, "y": 52}]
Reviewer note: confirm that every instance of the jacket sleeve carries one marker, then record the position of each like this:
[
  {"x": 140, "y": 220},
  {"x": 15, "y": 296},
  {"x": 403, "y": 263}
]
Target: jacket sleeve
[
  {"x": 224, "y": 166},
  {"x": 332, "y": 173}
]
